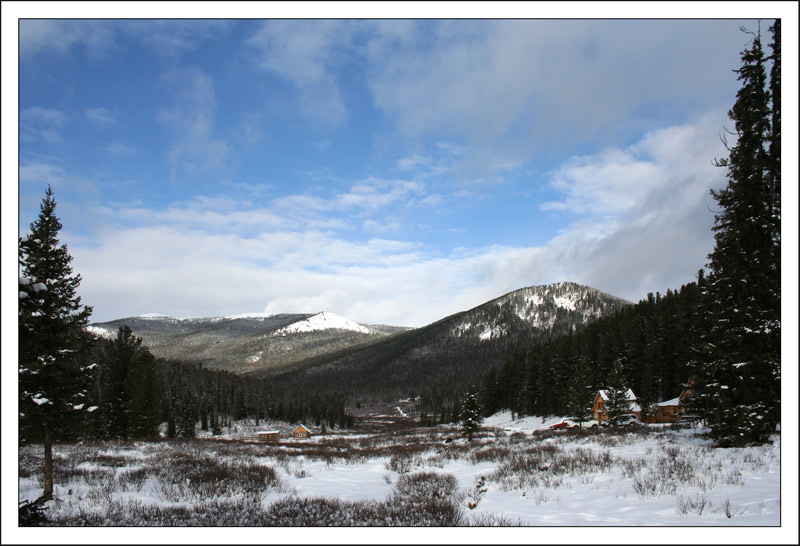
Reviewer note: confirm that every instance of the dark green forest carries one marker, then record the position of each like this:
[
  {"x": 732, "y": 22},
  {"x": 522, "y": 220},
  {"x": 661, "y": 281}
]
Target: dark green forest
[
  {"x": 651, "y": 340},
  {"x": 438, "y": 362}
]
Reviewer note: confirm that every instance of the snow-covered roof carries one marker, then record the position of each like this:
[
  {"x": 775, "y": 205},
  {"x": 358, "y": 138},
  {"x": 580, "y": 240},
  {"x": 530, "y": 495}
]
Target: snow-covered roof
[
  {"x": 633, "y": 406},
  {"x": 673, "y": 402},
  {"x": 268, "y": 432},
  {"x": 303, "y": 427},
  {"x": 629, "y": 395}
]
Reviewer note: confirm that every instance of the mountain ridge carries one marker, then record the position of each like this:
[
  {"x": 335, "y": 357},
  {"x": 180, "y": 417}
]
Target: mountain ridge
[
  {"x": 449, "y": 352},
  {"x": 332, "y": 351}
]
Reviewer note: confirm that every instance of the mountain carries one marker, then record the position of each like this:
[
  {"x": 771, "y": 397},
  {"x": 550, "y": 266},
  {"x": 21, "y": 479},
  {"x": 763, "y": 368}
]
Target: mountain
[
  {"x": 327, "y": 352},
  {"x": 452, "y": 351},
  {"x": 246, "y": 342}
]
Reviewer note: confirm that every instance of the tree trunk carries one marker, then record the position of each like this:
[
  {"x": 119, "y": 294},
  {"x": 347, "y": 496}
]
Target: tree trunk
[{"x": 48, "y": 465}]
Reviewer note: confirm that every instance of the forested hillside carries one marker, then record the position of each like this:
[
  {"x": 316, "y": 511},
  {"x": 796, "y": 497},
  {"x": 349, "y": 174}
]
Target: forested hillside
[
  {"x": 245, "y": 343},
  {"x": 440, "y": 360},
  {"x": 651, "y": 340}
]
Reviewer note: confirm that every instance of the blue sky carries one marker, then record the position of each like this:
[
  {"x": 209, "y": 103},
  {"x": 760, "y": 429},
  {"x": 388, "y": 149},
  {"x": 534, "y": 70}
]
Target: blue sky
[{"x": 390, "y": 171}]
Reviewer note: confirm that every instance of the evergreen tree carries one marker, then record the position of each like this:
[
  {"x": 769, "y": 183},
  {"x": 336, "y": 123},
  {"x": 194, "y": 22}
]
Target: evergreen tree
[
  {"x": 738, "y": 368},
  {"x": 144, "y": 395},
  {"x": 471, "y": 413},
  {"x": 186, "y": 421},
  {"x": 581, "y": 393},
  {"x": 172, "y": 429},
  {"x": 490, "y": 393},
  {"x": 216, "y": 425},
  {"x": 617, "y": 402},
  {"x": 129, "y": 389},
  {"x": 112, "y": 378},
  {"x": 55, "y": 378}
]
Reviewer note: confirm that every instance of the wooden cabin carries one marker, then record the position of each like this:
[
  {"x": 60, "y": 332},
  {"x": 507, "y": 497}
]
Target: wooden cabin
[
  {"x": 599, "y": 412},
  {"x": 301, "y": 432},
  {"x": 268, "y": 436},
  {"x": 670, "y": 411},
  {"x": 666, "y": 411}
]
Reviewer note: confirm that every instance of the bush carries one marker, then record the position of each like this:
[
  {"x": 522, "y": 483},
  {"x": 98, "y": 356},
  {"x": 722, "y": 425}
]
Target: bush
[
  {"x": 420, "y": 499},
  {"x": 425, "y": 498},
  {"x": 31, "y": 513}
]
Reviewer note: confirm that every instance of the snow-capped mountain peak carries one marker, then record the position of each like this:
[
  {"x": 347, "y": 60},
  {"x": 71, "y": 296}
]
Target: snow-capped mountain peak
[
  {"x": 544, "y": 308},
  {"x": 322, "y": 321}
]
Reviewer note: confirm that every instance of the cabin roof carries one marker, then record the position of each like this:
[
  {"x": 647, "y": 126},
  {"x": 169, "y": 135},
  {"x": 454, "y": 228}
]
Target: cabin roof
[{"x": 629, "y": 394}]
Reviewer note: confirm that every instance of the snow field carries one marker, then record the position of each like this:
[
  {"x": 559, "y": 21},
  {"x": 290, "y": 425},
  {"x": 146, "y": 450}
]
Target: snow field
[{"x": 652, "y": 476}]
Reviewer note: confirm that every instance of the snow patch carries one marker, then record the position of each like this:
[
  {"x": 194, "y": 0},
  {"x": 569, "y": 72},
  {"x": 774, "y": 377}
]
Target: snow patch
[
  {"x": 322, "y": 321},
  {"x": 493, "y": 332},
  {"x": 564, "y": 302},
  {"x": 98, "y": 331}
]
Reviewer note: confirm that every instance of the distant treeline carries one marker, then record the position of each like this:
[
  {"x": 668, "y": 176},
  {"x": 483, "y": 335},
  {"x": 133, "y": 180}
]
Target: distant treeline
[{"x": 134, "y": 393}]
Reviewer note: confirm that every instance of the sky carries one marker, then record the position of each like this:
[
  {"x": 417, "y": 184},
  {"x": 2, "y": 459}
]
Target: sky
[{"x": 392, "y": 171}]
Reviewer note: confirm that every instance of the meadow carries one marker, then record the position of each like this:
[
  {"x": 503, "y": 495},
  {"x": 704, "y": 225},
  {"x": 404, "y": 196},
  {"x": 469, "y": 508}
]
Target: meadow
[{"x": 513, "y": 473}]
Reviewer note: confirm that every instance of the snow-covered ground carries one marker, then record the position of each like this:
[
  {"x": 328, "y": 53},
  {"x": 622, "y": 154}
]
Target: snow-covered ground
[
  {"x": 322, "y": 321},
  {"x": 516, "y": 473}
]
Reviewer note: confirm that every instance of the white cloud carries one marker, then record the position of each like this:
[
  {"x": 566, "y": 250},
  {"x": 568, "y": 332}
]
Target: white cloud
[
  {"x": 41, "y": 124},
  {"x": 100, "y": 116},
  {"x": 216, "y": 255},
  {"x": 306, "y": 53},
  {"x": 119, "y": 149},
  {"x": 173, "y": 38},
  {"x": 647, "y": 177},
  {"x": 514, "y": 90},
  {"x": 103, "y": 37},
  {"x": 191, "y": 120},
  {"x": 42, "y": 35}
]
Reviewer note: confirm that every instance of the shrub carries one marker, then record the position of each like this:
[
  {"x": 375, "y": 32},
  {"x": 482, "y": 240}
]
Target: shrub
[
  {"x": 424, "y": 498},
  {"x": 31, "y": 513},
  {"x": 731, "y": 509},
  {"x": 698, "y": 504}
]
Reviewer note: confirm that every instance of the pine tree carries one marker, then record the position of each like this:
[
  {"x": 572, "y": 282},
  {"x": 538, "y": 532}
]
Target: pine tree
[
  {"x": 143, "y": 386},
  {"x": 738, "y": 366},
  {"x": 581, "y": 393},
  {"x": 55, "y": 379},
  {"x": 129, "y": 389},
  {"x": 216, "y": 425},
  {"x": 471, "y": 413},
  {"x": 490, "y": 393},
  {"x": 187, "y": 417},
  {"x": 172, "y": 428},
  {"x": 617, "y": 401}
]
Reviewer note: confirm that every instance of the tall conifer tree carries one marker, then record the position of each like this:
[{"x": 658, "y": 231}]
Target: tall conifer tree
[
  {"x": 581, "y": 392},
  {"x": 738, "y": 372},
  {"x": 471, "y": 413},
  {"x": 55, "y": 379},
  {"x": 616, "y": 389}
]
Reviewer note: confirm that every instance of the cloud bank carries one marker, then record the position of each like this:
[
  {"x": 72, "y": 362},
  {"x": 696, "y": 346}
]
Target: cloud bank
[{"x": 217, "y": 255}]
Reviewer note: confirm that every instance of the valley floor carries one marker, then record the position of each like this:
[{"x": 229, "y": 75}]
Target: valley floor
[{"x": 514, "y": 473}]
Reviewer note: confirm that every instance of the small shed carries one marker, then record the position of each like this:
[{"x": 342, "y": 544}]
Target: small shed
[
  {"x": 301, "y": 432},
  {"x": 268, "y": 436}
]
